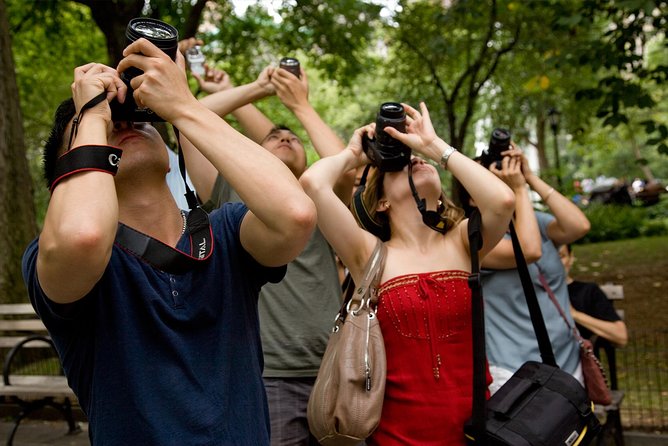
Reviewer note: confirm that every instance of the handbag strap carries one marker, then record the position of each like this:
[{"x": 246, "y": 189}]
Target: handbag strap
[
  {"x": 553, "y": 298},
  {"x": 544, "y": 345},
  {"x": 371, "y": 277}
]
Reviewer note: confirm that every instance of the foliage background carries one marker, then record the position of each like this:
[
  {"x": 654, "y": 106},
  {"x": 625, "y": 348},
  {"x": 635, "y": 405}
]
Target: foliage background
[{"x": 477, "y": 64}]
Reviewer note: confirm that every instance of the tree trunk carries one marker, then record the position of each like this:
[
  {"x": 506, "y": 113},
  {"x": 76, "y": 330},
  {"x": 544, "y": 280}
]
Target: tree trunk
[
  {"x": 17, "y": 209},
  {"x": 543, "y": 163},
  {"x": 113, "y": 18},
  {"x": 647, "y": 172}
]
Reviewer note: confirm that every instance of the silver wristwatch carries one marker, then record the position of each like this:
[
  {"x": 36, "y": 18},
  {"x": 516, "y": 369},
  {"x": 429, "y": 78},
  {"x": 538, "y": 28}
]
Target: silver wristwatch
[{"x": 446, "y": 155}]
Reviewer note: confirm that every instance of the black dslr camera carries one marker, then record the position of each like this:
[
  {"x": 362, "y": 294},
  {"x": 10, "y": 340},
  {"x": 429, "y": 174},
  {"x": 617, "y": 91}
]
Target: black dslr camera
[
  {"x": 385, "y": 152},
  {"x": 160, "y": 34},
  {"x": 498, "y": 143}
]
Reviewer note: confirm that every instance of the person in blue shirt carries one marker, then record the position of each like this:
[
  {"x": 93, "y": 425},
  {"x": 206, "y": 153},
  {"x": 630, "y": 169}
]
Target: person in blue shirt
[{"x": 157, "y": 357}]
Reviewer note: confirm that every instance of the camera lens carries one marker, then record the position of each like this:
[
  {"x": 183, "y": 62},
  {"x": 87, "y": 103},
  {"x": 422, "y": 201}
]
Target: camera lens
[
  {"x": 498, "y": 143},
  {"x": 391, "y": 114},
  {"x": 290, "y": 64},
  {"x": 392, "y": 110},
  {"x": 159, "y": 33},
  {"x": 500, "y": 140}
]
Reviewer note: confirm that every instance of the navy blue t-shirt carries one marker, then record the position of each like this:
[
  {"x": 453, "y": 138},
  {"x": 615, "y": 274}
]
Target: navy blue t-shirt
[{"x": 161, "y": 359}]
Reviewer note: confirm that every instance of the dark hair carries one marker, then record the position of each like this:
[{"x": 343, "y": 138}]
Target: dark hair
[
  {"x": 278, "y": 128},
  {"x": 64, "y": 114}
]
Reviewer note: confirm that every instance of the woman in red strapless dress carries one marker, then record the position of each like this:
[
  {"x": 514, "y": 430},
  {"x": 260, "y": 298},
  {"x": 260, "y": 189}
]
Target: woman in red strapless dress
[
  {"x": 424, "y": 303},
  {"x": 426, "y": 323}
]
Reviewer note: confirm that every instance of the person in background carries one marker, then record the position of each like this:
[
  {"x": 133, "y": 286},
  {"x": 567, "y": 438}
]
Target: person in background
[
  {"x": 424, "y": 302},
  {"x": 591, "y": 309},
  {"x": 510, "y": 337},
  {"x": 296, "y": 314}
]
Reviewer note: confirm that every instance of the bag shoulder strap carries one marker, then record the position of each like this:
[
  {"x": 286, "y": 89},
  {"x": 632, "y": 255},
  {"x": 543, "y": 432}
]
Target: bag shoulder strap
[
  {"x": 478, "y": 328},
  {"x": 553, "y": 298},
  {"x": 546, "y": 352},
  {"x": 356, "y": 295}
]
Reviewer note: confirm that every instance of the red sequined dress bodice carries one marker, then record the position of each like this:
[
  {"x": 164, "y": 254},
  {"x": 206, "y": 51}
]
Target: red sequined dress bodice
[{"x": 426, "y": 323}]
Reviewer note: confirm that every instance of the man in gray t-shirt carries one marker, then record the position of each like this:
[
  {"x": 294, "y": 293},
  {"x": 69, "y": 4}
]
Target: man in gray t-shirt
[{"x": 296, "y": 315}]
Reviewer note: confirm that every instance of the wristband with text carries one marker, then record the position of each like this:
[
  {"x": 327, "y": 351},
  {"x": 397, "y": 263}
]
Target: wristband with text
[{"x": 86, "y": 158}]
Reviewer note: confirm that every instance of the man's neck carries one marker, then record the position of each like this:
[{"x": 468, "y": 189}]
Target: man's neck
[{"x": 153, "y": 212}]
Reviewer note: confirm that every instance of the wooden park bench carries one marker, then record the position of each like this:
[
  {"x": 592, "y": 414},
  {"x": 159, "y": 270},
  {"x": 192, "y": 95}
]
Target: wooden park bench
[{"x": 32, "y": 375}]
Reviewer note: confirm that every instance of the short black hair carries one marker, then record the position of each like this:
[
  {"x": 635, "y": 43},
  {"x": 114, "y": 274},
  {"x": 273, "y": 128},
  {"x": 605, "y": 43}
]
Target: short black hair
[{"x": 64, "y": 114}]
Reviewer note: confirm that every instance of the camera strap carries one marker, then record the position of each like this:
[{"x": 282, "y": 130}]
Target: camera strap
[
  {"x": 162, "y": 256},
  {"x": 86, "y": 158},
  {"x": 92, "y": 157},
  {"x": 433, "y": 219},
  {"x": 361, "y": 213},
  {"x": 152, "y": 251}
]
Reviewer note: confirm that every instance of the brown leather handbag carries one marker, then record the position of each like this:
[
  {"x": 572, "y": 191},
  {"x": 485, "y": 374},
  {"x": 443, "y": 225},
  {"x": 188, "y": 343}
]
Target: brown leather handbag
[{"x": 347, "y": 398}]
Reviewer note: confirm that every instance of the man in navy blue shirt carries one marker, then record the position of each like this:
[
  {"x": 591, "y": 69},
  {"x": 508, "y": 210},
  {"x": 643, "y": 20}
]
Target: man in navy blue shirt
[{"x": 157, "y": 357}]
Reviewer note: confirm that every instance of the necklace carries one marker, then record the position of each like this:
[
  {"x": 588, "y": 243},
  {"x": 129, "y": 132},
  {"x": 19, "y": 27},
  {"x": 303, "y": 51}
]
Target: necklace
[{"x": 183, "y": 215}]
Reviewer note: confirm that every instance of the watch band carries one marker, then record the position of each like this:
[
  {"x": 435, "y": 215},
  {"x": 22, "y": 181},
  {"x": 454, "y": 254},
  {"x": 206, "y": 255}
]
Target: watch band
[{"x": 449, "y": 150}]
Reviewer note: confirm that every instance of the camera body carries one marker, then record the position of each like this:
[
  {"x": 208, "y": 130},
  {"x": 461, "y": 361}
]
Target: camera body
[
  {"x": 195, "y": 58},
  {"x": 385, "y": 152},
  {"x": 498, "y": 143},
  {"x": 162, "y": 35},
  {"x": 291, "y": 64}
]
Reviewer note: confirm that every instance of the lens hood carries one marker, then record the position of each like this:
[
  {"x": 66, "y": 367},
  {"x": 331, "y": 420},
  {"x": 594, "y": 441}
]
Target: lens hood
[{"x": 159, "y": 33}]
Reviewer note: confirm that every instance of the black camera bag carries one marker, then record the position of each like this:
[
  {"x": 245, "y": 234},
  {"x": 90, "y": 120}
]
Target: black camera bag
[{"x": 540, "y": 405}]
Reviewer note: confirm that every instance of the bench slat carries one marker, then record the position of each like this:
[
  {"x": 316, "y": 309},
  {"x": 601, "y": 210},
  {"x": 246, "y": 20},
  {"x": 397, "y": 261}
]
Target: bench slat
[
  {"x": 26, "y": 309},
  {"x": 41, "y": 386},
  {"x": 26, "y": 392},
  {"x": 613, "y": 291},
  {"x": 22, "y": 325},
  {"x": 11, "y": 341}
]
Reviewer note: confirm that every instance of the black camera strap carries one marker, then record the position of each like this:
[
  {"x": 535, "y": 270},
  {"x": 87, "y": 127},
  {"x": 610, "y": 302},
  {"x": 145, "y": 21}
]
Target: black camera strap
[
  {"x": 433, "y": 219},
  {"x": 162, "y": 256},
  {"x": 92, "y": 157},
  {"x": 77, "y": 119},
  {"x": 362, "y": 213},
  {"x": 152, "y": 251},
  {"x": 86, "y": 158}
]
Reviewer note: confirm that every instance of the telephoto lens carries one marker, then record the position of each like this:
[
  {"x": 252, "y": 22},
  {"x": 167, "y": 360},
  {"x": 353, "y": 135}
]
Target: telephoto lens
[
  {"x": 160, "y": 34},
  {"x": 291, "y": 64}
]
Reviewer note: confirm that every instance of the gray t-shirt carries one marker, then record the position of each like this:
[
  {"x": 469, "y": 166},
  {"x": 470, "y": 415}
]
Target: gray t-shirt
[
  {"x": 296, "y": 314},
  {"x": 510, "y": 337}
]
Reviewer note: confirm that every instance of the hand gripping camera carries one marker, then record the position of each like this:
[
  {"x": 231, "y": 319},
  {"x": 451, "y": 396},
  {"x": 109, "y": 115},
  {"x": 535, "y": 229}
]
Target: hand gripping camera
[
  {"x": 162, "y": 35},
  {"x": 498, "y": 143},
  {"x": 385, "y": 152}
]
